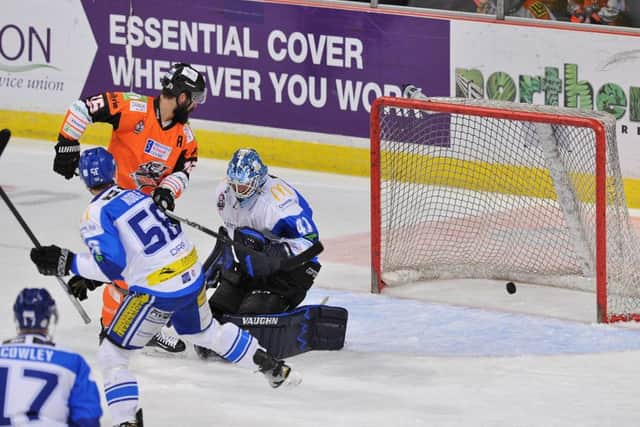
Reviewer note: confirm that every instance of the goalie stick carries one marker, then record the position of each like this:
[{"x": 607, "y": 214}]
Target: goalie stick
[
  {"x": 287, "y": 264},
  {"x": 5, "y": 134}
]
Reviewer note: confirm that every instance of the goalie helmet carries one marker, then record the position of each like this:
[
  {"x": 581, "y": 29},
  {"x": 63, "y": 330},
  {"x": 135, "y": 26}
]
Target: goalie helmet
[
  {"x": 246, "y": 173},
  {"x": 97, "y": 167},
  {"x": 183, "y": 77},
  {"x": 34, "y": 309}
]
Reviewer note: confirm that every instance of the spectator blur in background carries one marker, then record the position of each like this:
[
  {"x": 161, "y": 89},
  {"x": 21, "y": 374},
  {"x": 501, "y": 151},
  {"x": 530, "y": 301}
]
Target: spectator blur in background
[
  {"x": 389, "y": 2},
  {"x": 604, "y": 12},
  {"x": 537, "y": 9},
  {"x": 455, "y": 5},
  {"x": 633, "y": 9}
]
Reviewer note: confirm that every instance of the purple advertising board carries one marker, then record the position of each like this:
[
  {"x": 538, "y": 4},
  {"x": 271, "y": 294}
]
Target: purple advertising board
[{"x": 277, "y": 65}]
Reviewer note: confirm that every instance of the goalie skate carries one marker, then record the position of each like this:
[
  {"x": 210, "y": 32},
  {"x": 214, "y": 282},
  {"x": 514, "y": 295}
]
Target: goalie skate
[
  {"x": 283, "y": 375},
  {"x": 277, "y": 372}
]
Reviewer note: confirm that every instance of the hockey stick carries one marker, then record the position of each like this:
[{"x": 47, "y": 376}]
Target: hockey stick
[
  {"x": 287, "y": 264},
  {"x": 5, "y": 134}
]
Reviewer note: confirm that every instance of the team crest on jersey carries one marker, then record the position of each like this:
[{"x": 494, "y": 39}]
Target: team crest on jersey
[
  {"x": 139, "y": 127},
  {"x": 149, "y": 174},
  {"x": 155, "y": 149},
  {"x": 221, "y": 202}
]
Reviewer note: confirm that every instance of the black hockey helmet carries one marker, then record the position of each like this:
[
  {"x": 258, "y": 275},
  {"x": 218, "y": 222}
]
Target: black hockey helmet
[{"x": 183, "y": 77}]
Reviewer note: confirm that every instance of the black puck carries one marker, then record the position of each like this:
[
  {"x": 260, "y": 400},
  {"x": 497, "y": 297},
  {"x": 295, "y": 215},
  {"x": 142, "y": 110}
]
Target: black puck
[{"x": 511, "y": 288}]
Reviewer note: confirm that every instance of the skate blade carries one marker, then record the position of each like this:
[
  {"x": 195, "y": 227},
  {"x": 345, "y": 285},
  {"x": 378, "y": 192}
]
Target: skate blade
[
  {"x": 294, "y": 379},
  {"x": 158, "y": 352}
]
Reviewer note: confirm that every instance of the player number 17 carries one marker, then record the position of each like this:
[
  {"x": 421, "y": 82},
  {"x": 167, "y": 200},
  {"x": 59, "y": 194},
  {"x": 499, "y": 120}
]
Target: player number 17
[{"x": 33, "y": 411}]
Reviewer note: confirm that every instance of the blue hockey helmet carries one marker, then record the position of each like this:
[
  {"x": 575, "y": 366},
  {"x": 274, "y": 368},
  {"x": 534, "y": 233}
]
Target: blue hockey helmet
[
  {"x": 246, "y": 172},
  {"x": 35, "y": 309},
  {"x": 97, "y": 167}
]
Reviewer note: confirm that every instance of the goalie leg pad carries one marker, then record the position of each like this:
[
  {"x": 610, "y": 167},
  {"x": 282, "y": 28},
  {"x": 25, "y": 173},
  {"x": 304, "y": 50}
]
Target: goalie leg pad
[{"x": 310, "y": 327}]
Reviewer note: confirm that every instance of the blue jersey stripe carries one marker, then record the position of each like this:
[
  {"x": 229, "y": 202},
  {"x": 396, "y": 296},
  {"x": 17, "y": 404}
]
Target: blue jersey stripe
[
  {"x": 125, "y": 399},
  {"x": 108, "y": 389},
  {"x": 121, "y": 392},
  {"x": 235, "y": 341},
  {"x": 246, "y": 348},
  {"x": 240, "y": 347}
]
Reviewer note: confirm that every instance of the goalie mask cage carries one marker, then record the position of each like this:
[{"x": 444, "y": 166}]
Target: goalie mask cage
[{"x": 506, "y": 191}]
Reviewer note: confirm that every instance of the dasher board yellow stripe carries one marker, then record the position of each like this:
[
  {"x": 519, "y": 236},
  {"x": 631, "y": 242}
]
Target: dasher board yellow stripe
[
  {"x": 172, "y": 270},
  {"x": 307, "y": 155}
]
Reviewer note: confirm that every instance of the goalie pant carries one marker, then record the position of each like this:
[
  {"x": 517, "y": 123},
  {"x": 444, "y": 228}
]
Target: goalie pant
[{"x": 309, "y": 327}]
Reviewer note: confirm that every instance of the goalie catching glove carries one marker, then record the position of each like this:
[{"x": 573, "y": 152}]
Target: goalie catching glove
[
  {"x": 52, "y": 260},
  {"x": 78, "y": 286},
  {"x": 258, "y": 256},
  {"x": 67, "y": 157}
]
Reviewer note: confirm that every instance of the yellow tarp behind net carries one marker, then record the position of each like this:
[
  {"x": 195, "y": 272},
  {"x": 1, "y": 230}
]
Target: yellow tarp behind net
[{"x": 482, "y": 176}]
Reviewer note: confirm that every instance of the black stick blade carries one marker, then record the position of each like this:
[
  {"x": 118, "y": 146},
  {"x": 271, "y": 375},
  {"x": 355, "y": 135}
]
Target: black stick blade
[{"x": 5, "y": 134}]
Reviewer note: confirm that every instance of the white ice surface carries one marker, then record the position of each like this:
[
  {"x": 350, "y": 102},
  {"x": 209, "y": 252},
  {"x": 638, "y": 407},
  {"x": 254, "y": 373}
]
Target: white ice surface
[{"x": 444, "y": 354}]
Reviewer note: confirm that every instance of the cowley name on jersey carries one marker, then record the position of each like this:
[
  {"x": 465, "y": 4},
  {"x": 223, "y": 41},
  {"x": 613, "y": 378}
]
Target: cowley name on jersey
[{"x": 27, "y": 353}]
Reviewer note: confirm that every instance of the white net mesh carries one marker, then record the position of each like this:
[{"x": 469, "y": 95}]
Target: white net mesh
[{"x": 473, "y": 196}]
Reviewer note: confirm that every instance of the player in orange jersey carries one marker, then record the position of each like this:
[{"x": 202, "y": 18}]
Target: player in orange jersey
[{"x": 154, "y": 149}]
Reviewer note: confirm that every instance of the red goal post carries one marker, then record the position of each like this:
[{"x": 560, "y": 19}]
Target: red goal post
[{"x": 488, "y": 189}]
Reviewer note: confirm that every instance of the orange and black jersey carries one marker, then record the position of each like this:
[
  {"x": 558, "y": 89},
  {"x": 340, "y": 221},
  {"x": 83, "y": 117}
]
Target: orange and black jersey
[{"x": 144, "y": 150}]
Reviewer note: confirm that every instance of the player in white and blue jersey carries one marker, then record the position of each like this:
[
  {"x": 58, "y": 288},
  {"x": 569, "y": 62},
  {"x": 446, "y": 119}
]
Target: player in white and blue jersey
[
  {"x": 131, "y": 239},
  {"x": 40, "y": 384},
  {"x": 267, "y": 214}
]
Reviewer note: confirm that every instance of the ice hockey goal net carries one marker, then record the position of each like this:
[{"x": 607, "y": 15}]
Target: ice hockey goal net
[{"x": 483, "y": 189}]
